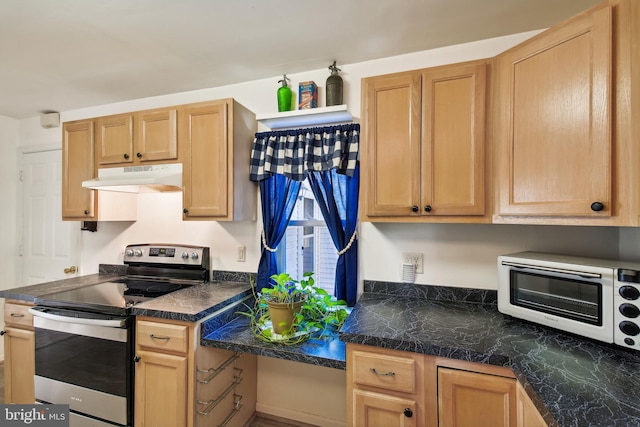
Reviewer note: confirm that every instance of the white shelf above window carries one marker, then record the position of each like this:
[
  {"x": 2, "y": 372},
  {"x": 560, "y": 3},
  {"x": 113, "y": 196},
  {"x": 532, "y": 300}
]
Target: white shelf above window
[{"x": 308, "y": 117}]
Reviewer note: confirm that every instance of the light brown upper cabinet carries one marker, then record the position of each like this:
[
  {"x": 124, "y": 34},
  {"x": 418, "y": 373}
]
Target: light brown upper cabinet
[
  {"x": 78, "y": 203},
  {"x": 423, "y": 146},
  {"x": 565, "y": 102},
  {"x": 137, "y": 138},
  {"x": 217, "y": 138}
]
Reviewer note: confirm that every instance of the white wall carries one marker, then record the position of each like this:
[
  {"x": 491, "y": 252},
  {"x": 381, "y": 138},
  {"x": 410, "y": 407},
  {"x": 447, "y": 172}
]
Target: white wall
[
  {"x": 455, "y": 255},
  {"x": 8, "y": 189}
]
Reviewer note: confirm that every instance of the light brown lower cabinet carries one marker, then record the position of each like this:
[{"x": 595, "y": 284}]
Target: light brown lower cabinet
[
  {"x": 392, "y": 388},
  {"x": 19, "y": 353},
  {"x": 180, "y": 383},
  {"x": 472, "y": 399}
]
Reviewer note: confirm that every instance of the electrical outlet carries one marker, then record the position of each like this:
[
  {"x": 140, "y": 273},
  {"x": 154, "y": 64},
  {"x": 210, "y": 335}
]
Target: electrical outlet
[
  {"x": 414, "y": 258},
  {"x": 242, "y": 253}
]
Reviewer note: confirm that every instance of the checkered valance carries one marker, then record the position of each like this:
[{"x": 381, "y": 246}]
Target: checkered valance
[{"x": 294, "y": 152}]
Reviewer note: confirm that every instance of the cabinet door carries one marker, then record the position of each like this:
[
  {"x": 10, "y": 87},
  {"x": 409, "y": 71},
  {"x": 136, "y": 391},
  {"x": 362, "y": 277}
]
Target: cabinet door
[
  {"x": 160, "y": 390},
  {"x": 453, "y": 140},
  {"x": 554, "y": 123},
  {"x": 382, "y": 410},
  {"x": 114, "y": 139},
  {"x": 157, "y": 137},
  {"x": 470, "y": 399},
  {"x": 77, "y": 165},
  {"x": 391, "y": 112},
  {"x": 208, "y": 154},
  {"x": 528, "y": 415},
  {"x": 19, "y": 359}
]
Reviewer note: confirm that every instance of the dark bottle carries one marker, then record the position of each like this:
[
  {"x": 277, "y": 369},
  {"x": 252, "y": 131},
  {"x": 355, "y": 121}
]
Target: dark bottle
[{"x": 334, "y": 86}]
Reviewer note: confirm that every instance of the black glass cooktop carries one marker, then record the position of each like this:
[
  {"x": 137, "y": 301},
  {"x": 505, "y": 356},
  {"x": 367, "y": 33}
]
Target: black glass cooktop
[{"x": 109, "y": 297}]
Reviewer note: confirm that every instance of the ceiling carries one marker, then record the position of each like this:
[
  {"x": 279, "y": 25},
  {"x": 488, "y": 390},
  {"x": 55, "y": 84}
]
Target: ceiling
[{"x": 68, "y": 54}]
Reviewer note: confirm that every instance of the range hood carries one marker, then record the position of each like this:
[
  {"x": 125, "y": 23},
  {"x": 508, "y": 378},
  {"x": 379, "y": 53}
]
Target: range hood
[{"x": 138, "y": 179}]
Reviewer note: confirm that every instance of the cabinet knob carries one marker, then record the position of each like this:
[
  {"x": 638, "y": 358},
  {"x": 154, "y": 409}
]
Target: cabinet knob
[
  {"x": 2, "y": 332},
  {"x": 185, "y": 211},
  {"x": 597, "y": 206},
  {"x": 414, "y": 209},
  {"x": 126, "y": 156},
  {"x": 408, "y": 412},
  {"x": 86, "y": 211},
  {"x": 136, "y": 359},
  {"x": 139, "y": 155},
  {"x": 428, "y": 208}
]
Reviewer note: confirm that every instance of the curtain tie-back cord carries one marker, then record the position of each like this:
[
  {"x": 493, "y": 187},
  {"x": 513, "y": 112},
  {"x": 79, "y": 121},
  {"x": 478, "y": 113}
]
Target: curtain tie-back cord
[
  {"x": 351, "y": 240},
  {"x": 264, "y": 243},
  {"x": 342, "y": 252}
]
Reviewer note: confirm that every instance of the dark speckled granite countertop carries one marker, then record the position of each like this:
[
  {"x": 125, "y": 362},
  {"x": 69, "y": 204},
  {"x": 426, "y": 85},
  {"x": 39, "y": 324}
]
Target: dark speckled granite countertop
[{"x": 574, "y": 382}]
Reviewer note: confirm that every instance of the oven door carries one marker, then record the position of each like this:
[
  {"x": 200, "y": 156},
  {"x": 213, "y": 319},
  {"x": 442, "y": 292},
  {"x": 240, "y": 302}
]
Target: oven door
[
  {"x": 573, "y": 298},
  {"x": 84, "y": 360}
]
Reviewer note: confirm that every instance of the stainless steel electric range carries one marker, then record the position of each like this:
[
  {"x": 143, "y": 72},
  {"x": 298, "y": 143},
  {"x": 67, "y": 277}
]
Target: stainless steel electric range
[{"x": 85, "y": 337}]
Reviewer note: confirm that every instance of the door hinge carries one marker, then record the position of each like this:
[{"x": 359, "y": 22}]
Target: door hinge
[{"x": 21, "y": 177}]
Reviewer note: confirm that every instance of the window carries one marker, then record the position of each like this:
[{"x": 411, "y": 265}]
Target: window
[{"x": 307, "y": 245}]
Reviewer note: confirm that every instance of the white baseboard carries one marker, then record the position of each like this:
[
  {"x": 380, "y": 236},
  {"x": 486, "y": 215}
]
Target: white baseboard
[{"x": 299, "y": 416}]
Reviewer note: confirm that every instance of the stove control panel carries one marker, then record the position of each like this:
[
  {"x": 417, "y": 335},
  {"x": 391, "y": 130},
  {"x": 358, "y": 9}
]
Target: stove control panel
[{"x": 167, "y": 254}]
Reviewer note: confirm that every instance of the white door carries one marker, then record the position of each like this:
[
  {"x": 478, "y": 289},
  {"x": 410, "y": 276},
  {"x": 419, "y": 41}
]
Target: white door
[{"x": 49, "y": 245}]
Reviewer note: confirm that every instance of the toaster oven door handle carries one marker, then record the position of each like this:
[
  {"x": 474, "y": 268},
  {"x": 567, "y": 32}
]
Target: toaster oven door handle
[
  {"x": 553, "y": 270},
  {"x": 108, "y": 323}
]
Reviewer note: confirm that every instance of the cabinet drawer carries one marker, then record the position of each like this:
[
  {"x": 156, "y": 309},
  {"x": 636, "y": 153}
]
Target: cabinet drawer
[
  {"x": 18, "y": 315},
  {"x": 385, "y": 371},
  {"x": 162, "y": 336}
]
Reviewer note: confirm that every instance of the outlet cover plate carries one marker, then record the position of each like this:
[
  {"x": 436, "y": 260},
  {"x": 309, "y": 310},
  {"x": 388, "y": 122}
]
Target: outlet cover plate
[{"x": 414, "y": 258}]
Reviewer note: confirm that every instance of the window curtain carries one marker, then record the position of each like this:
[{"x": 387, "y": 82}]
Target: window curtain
[
  {"x": 290, "y": 156},
  {"x": 278, "y": 195},
  {"x": 337, "y": 196}
]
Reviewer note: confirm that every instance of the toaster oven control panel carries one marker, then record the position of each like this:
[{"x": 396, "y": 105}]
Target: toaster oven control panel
[{"x": 627, "y": 308}]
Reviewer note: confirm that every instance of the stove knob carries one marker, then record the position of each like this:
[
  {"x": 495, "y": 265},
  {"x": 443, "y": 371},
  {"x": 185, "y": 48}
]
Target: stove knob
[
  {"x": 128, "y": 252},
  {"x": 137, "y": 252},
  {"x": 194, "y": 255},
  {"x": 629, "y": 310},
  {"x": 184, "y": 255},
  {"x": 629, "y": 292},
  {"x": 629, "y": 328}
]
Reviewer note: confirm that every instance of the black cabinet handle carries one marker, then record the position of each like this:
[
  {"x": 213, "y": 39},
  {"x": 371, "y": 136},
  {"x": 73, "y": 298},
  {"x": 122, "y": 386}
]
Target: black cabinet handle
[
  {"x": 185, "y": 211},
  {"x": 414, "y": 209},
  {"x": 408, "y": 412},
  {"x": 428, "y": 208},
  {"x": 597, "y": 206},
  {"x": 126, "y": 156},
  {"x": 136, "y": 359},
  {"x": 2, "y": 332},
  {"x": 86, "y": 212},
  {"x": 139, "y": 155}
]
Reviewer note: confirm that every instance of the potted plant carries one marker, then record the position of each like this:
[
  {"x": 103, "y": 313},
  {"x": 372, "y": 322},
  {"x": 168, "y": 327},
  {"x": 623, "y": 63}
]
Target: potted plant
[{"x": 311, "y": 311}]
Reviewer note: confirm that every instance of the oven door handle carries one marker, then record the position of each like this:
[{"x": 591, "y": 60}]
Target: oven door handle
[
  {"x": 111, "y": 323},
  {"x": 583, "y": 274}
]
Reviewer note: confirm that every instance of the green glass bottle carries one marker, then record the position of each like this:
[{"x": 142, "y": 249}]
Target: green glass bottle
[{"x": 284, "y": 95}]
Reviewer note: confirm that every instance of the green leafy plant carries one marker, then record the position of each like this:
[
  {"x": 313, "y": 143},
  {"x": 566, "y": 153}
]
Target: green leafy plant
[{"x": 319, "y": 315}]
